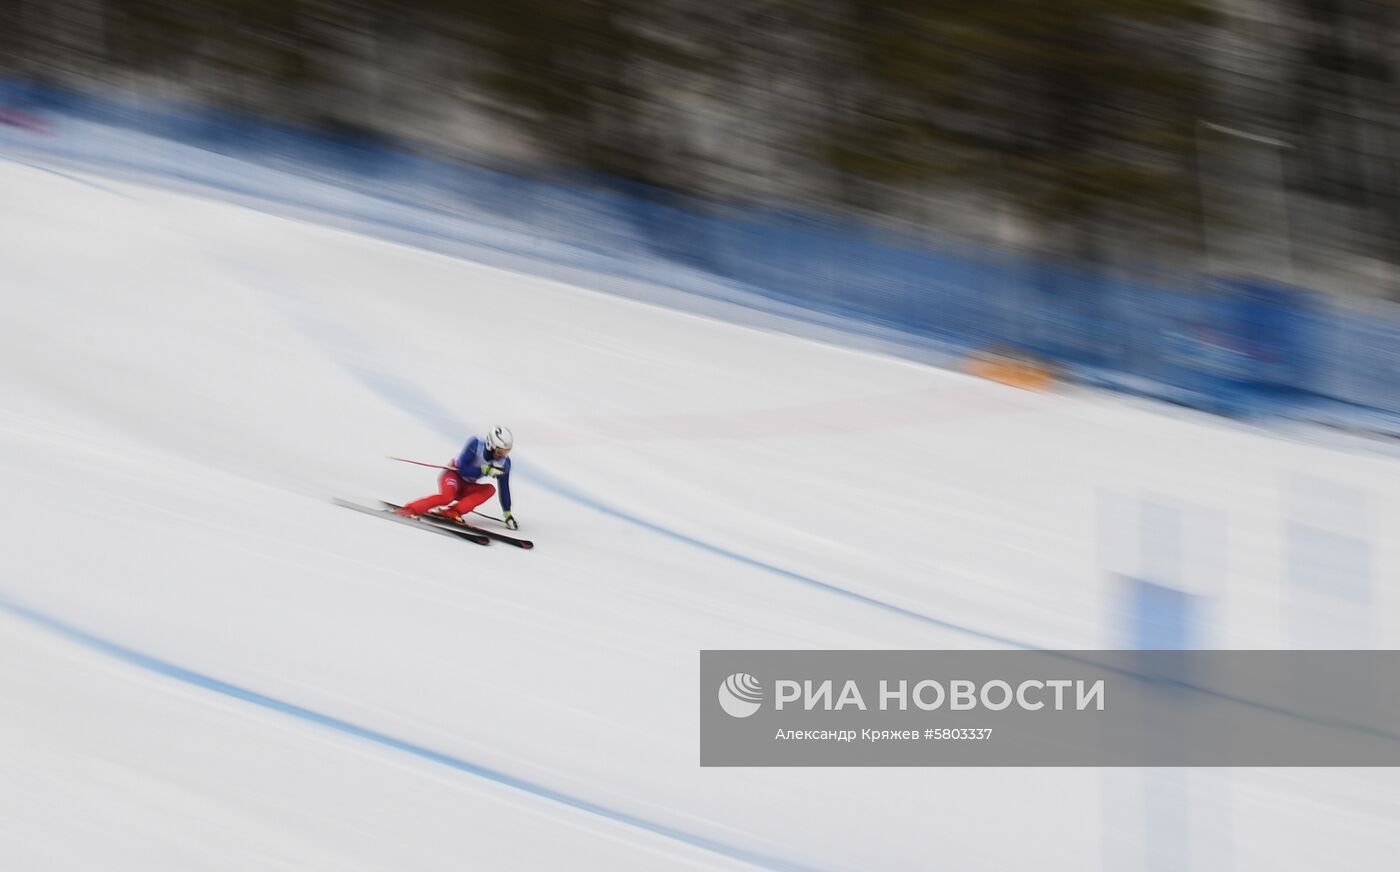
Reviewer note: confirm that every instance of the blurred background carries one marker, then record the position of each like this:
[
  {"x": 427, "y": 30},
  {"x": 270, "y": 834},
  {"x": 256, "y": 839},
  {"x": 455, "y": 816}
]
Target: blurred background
[
  {"x": 1197, "y": 200},
  {"x": 1190, "y": 202}
]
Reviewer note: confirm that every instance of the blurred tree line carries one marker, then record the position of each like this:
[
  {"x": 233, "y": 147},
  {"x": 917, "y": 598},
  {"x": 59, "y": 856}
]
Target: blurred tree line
[{"x": 1069, "y": 126}]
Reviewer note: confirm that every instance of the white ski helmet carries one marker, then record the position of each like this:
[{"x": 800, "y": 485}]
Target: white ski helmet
[{"x": 499, "y": 439}]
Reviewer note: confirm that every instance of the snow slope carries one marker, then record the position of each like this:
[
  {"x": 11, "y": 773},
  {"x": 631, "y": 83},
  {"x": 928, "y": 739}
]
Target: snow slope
[{"x": 206, "y": 665}]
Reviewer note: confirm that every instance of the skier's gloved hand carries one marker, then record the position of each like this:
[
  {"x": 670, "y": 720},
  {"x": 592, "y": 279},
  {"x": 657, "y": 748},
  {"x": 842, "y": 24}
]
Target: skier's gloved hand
[
  {"x": 510, "y": 521},
  {"x": 492, "y": 470}
]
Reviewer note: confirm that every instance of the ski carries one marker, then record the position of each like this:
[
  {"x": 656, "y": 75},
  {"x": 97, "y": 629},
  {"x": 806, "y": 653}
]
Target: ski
[
  {"x": 480, "y": 538},
  {"x": 453, "y": 526}
]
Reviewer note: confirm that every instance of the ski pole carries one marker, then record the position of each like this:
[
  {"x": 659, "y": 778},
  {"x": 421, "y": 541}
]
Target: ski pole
[
  {"x": 418, "y": 463},
  {"x": 489, "y": 517}
]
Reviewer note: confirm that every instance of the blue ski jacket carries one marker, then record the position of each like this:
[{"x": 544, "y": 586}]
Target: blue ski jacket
[{"x": 471, "y": 465}]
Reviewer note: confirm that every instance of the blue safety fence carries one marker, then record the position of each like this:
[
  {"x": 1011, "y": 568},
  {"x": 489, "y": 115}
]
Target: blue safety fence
[{"x": 1240, "y": 347}]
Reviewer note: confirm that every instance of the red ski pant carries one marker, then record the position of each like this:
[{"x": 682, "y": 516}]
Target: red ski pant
[{"x": 453, "y": 489}]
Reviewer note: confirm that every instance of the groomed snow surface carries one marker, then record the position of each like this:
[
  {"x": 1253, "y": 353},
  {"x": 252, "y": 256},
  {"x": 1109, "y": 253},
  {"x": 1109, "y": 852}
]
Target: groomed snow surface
[{"x": 204, "y": 664}]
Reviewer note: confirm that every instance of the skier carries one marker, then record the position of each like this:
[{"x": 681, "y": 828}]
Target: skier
[{"x": 459, "y": 486}]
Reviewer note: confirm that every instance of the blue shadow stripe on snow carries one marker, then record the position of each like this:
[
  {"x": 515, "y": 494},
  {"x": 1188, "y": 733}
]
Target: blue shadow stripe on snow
[
  {"x": 69, "y": 176},
  {"x": 555, "y": 486},
  {"x": 152, "y": 664},
  {"x": 417, "y": 403}
]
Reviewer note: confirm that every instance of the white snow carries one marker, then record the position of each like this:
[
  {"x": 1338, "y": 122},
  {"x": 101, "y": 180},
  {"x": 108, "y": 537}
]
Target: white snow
[{"x": 184, "y": 383}]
